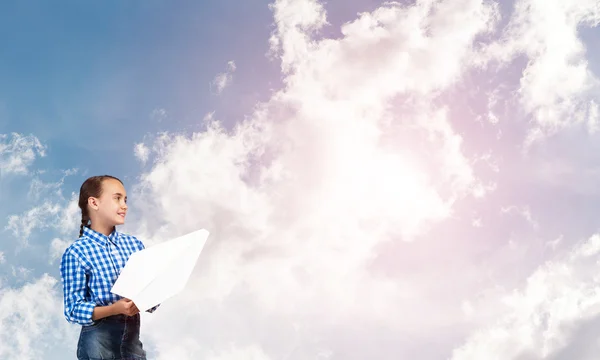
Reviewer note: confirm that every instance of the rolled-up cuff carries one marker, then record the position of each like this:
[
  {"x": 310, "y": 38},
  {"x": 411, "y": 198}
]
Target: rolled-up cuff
[{"x": 82, "y": 313}]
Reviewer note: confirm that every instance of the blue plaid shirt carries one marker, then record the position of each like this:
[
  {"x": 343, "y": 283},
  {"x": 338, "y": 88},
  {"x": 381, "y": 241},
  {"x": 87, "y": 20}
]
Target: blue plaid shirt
[{"x": 89, "y": 268}]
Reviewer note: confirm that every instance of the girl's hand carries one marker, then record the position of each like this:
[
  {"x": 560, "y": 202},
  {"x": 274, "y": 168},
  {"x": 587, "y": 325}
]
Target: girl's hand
[{"x": 125, "y": 307}]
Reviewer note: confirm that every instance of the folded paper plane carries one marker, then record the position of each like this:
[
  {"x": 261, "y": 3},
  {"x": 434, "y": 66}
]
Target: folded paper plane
[{"x": 159, "y": 272}]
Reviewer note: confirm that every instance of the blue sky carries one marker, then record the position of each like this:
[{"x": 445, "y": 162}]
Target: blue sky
[
  {"x": 98, "y": 71},
  {"x": 395, "y": 191}
]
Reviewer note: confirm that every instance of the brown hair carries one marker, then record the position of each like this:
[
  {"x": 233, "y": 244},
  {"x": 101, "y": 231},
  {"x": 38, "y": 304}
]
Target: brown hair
[{"x": 91, "y": 187}]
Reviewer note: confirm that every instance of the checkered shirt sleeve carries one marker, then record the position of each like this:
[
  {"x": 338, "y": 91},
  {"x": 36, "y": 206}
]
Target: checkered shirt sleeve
[{"x": 78, "y": 307}]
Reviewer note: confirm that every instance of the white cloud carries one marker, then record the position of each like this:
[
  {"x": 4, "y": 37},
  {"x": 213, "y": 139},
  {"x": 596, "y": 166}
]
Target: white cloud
[
  {"x": 524, "y": 212},
  {"x": 58, "y": 247},
  {"x": 551, "y": 317},
  {"x": 568, "y": 171},
  {"x": 70, "y": 215},
  {"x": 17, "y": 152},
  {"x": 250, "y": 353},
  {"x": 2, "y": 258},
  {"x": 299, "y": 197},
  {"x": 557, "y": 87},
  {"x": 39, "y": 217},
  {"x": 141, "y": 152},
  {"x": 20, "y": 272},
  {"x": 158, "y": 114},
  {"x": 594, "y": 118},
  {"x": 222, "y": 80},
  {"x": 58, "y": 214},
  {"x": 31, "y": 322},
  {"x": 39, "y": 188}
]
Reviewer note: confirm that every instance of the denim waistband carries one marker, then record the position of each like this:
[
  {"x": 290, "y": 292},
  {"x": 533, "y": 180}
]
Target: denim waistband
[
  {"x": 120, "y": 318},
  {"x": 112, "y": 337}
]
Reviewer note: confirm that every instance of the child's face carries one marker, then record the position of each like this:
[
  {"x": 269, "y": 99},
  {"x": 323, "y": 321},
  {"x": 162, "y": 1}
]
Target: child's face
[{"x": 112, "y": 206}]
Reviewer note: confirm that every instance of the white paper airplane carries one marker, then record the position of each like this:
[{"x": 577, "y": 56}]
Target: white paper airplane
[{"x": 159, "y": 272}]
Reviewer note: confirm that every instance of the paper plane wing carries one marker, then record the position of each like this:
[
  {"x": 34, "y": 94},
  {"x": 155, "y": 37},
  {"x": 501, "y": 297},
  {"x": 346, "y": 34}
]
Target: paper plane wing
[{"x": 159, "y": 272}]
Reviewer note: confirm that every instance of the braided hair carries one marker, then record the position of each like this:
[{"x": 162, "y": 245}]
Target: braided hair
[{"x": 91, "y": 187}]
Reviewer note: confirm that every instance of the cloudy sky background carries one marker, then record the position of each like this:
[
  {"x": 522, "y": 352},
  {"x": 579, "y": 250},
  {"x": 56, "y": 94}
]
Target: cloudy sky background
[{"x": 380, "y": 180}]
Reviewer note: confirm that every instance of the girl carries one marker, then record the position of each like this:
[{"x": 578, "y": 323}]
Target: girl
[{"x": 90, "y": 266}]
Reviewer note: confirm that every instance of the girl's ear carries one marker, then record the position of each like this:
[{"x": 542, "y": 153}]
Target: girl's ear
[{"x": 93, "y": 203}]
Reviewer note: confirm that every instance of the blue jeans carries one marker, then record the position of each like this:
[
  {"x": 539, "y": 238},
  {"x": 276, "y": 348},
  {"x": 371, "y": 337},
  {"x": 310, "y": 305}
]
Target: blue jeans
[{"x": 111, "y": 338}]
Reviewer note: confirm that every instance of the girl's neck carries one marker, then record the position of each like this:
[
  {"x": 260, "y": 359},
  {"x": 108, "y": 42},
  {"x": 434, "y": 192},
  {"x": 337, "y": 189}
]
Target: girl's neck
[{"x": 102, "y": 229}]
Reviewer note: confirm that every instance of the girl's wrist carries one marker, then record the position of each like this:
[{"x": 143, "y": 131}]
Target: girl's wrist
[{"x": 113, "y": 309}]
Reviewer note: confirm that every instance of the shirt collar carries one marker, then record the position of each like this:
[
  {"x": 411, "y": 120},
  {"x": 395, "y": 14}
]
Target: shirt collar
[{"x": 99, "y": 237}]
